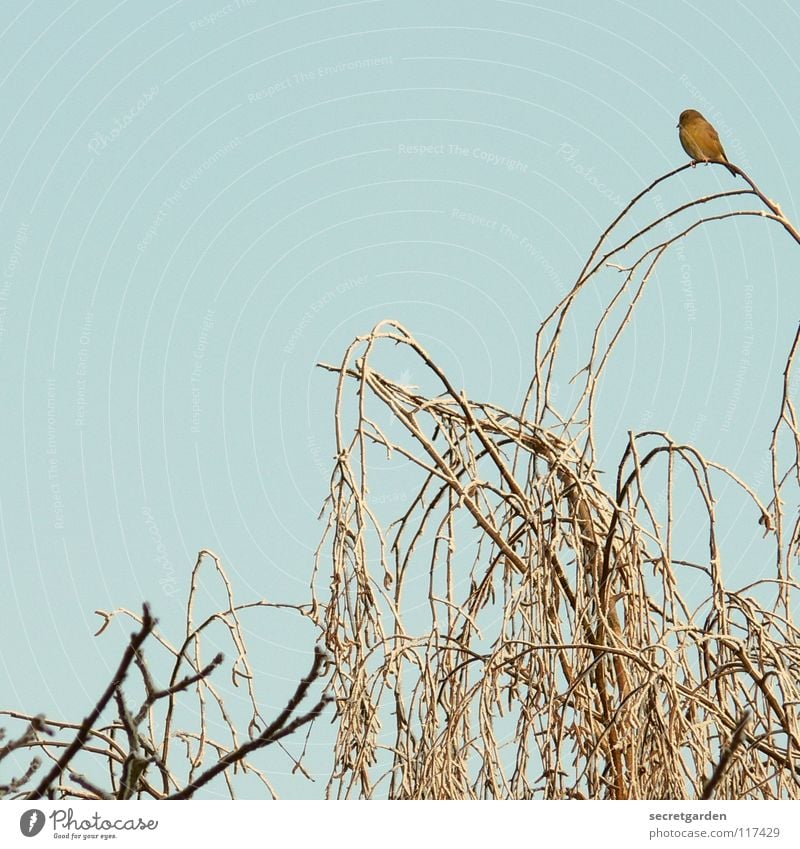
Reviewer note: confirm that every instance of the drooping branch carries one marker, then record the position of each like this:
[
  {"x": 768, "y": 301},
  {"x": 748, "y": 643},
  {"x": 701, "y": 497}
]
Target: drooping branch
[{"x": 527, "y": 626}]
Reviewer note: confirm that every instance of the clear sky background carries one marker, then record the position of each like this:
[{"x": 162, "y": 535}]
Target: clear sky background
[{"x": 200, "y": 201}]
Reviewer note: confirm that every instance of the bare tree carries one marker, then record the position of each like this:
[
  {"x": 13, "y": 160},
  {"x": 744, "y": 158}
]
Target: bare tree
[
  {"x": 133, "y": 754},
  {"x": 524, "y": 626}
]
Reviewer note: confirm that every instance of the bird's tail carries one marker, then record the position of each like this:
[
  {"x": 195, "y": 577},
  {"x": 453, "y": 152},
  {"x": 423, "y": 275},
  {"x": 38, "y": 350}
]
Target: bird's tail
[{"x": 731, "y": 168}]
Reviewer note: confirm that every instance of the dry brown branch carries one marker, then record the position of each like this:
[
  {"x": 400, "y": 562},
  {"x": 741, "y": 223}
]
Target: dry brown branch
[
  {"x": 86, "y": 726},
  {"x": 279, "y": 728},
  {"x": 736, "y": 741},
  {"x": 36, "y": 726},
  {"x": 525, "y": 627},
  {"x": 138, "y": 740}
]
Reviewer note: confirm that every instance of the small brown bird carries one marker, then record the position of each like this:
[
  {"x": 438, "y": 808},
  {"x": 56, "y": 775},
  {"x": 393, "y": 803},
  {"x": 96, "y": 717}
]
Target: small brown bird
[{"x": 700, "y": 140}]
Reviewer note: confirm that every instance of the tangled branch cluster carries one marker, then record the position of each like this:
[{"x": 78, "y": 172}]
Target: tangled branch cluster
[
  {"x": 132, "y": 755},
  {"x": 525, "y": 627}
]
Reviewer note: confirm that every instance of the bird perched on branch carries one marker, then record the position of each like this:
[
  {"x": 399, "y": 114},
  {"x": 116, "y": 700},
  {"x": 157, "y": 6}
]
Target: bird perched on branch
[{"x": 700, "y": 140}]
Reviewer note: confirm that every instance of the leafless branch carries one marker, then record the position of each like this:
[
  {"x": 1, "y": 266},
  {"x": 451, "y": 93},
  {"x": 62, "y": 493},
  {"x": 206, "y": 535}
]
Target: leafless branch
[{"x": 526, "y": 626}]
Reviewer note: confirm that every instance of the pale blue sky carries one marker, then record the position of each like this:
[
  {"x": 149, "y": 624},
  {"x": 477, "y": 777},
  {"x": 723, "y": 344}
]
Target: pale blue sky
[{"x": 200, "y": 201}]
